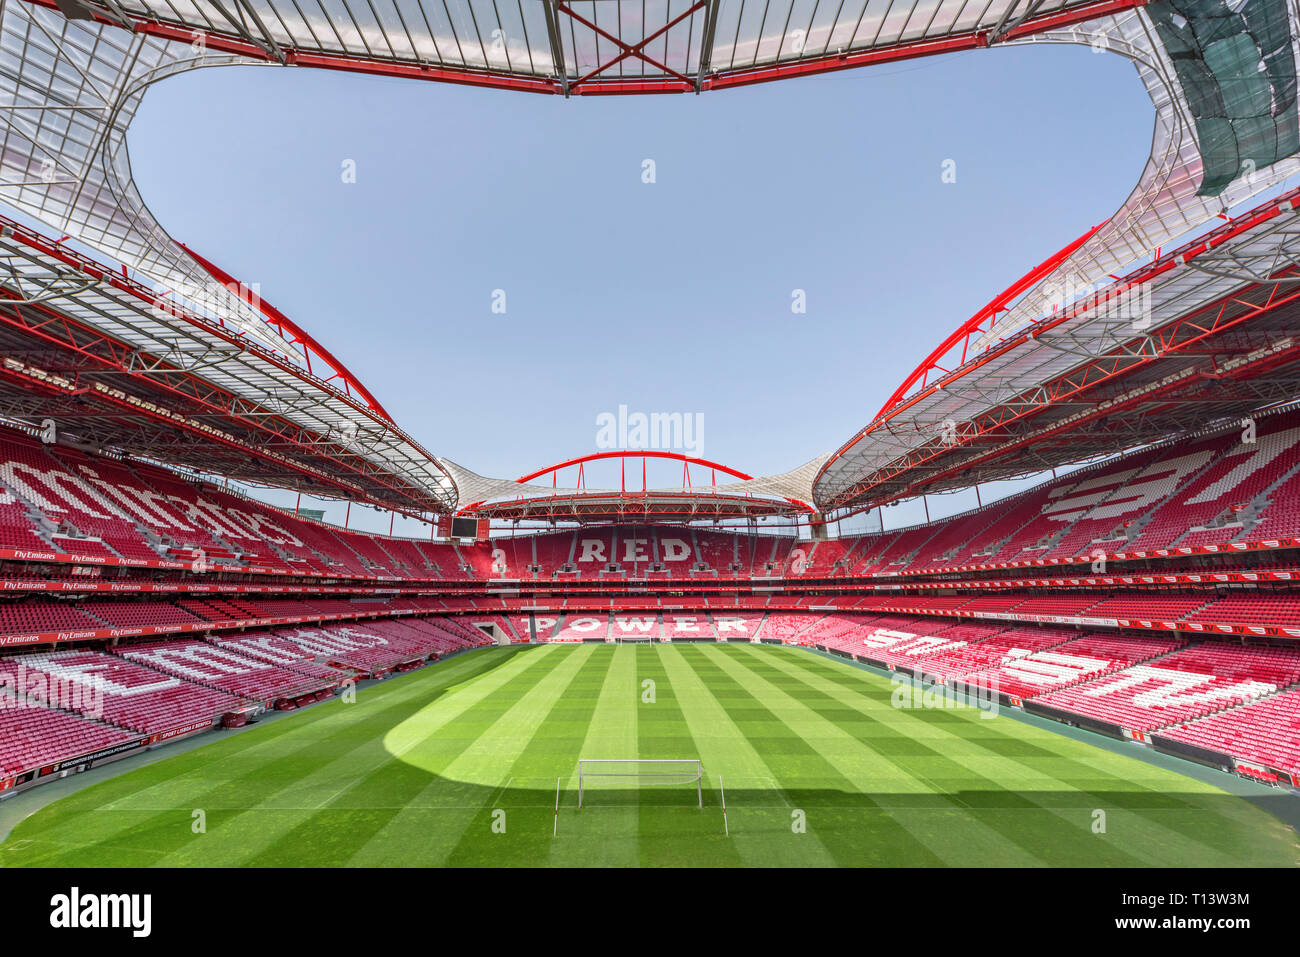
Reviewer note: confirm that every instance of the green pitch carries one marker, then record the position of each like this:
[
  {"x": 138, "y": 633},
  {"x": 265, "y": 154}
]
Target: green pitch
[{"x": 457, "y": 765}]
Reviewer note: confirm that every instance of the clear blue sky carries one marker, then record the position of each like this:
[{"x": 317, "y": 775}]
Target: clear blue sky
[{"x": 669, "y": 297}]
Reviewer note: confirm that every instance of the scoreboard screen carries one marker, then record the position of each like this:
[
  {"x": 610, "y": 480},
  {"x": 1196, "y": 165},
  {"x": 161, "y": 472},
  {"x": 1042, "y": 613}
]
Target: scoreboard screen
[{"x": 464, "y": 528}]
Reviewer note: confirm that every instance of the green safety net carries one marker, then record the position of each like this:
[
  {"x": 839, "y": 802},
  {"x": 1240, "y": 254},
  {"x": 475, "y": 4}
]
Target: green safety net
[{"x": 1238, "y": 73}]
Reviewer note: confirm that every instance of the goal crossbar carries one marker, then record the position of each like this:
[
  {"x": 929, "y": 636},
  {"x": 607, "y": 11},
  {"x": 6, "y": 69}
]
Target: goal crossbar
[{"x": 667, "y": 771}]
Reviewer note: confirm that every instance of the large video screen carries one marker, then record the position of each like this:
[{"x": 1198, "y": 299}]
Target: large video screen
[{"x": 464, "y": 528}]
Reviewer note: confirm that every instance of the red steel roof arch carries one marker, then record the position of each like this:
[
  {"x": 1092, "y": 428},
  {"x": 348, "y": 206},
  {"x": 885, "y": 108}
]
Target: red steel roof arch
[
  {"x": 975, "y": 324},
  {"x": 1177, "y": 334},
  {"x": 405, "y": 498},
  {"x": 634, "y": 454},
  {"x": 297, "y": 335}
]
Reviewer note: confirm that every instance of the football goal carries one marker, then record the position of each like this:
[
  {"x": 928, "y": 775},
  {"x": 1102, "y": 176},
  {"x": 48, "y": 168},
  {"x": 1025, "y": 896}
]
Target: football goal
[
  {"x": 595, "y": 773},
  {"x": 635, "y": 639}
]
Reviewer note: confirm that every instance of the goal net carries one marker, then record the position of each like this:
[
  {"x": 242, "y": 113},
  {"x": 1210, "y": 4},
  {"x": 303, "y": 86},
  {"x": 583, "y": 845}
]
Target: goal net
[{"x": 616, "y": 774}]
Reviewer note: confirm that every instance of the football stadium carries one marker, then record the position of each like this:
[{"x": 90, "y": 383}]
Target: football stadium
[{"x": 251, "y": 619}]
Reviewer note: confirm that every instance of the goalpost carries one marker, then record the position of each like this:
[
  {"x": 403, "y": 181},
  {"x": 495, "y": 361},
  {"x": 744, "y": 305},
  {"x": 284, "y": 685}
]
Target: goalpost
[
  {"x": 635, "y": 639},
  {"x": 651, "y": 771}
]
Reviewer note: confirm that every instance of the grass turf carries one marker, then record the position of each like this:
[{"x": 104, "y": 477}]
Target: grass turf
[{"x": 457, "y": 765}]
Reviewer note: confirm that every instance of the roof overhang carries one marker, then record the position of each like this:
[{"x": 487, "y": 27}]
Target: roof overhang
[
  {"x": 1203, "y": 334},
  {"x": 118, "y": 368}
]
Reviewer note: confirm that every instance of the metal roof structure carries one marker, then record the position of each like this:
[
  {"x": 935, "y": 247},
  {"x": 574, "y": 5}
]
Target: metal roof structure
[
  {"x": 122, "y": 370},
  {"x": 574, "y": 47},
  {"x": 1206, "y": 333},
  {"x": 527, "y": 499},
  {"x": 73, "y": 74}
]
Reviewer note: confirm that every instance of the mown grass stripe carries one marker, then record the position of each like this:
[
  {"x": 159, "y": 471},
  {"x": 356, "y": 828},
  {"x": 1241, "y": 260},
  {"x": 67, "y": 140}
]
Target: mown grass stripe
[
  {"x": 184, "y": 781},
  {"x": 419, "y": 764},
  {"x": 526, "y": 803},
  {"x": 816, "y": 764},
  {"x": 605, "y": 837},
  {"x": 251, "y": 767},
  {"x": 764, "y": 837},
  {"x": 293, "y": 821},
  {"x": 1137, "y": 831},
  {"x": 902, "y": 737},
  {"x": 673, "y": 829}
]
